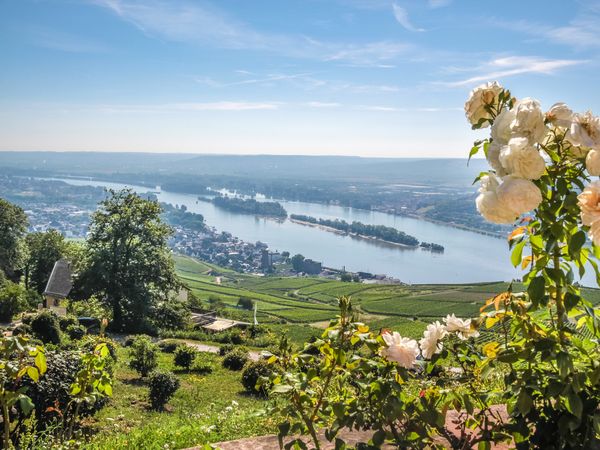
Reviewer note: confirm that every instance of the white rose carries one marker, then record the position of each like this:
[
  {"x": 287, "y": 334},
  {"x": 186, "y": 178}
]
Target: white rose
[
  {"x": 522, "y": 160},
  {"x": 585, "y": 130},
  {"x": 595, "y": 232},
  {"x": 560, "y": 115},
  {"x": 401, "y": 350},
  {"x": 592, "y": 163},
  {"x": 462, "y": 327},
  {"x": 431, "y": 342},
  {"x": 489, "y": 205},
  {"x": 501, "y": 132},
  {"x": 493, "y": 157},
  {"x": 519, "y": 195},
  {"x": 589, "y": 203},
  {"x": 529, "y": 120},
  {"x": 479, "y": 98}
]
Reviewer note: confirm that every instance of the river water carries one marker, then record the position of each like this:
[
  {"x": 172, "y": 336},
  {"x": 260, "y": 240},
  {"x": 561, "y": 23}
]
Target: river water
[{"x": 468, "y": 256}]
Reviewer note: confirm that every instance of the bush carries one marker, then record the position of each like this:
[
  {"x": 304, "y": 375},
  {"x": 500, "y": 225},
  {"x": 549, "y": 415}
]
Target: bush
[
  {"x": 253, "y": 371},
  {"x": 184, "y": 356},
  {"x": 170, "y": 315},
  {"x": 226, "y": 348},
  {"x": 245, "y": 303},
  {"x": 66, "y": 321},
  {"x": 13, "y": 300},
  {"x": 128, "y": 341},
  {"x": 235, "y": 359},
  {"x": 76, "y": 332},
  {"x": 168, "y": 346},
  {"x": 161, "y": 388},
  {"x": 90, "y": 342},
  {"x": 143, "y": 355},
  {"x": 46, "y": 328},
  {"x": 50, "y": 394},
  {"x": 22, "y": 328}
]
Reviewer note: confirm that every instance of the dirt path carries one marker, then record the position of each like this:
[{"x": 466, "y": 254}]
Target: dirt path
[{"x": 253, "y": 355}]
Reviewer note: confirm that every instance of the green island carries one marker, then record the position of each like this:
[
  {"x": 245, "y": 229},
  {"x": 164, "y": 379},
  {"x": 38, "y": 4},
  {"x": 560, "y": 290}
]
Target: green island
[{"x": 250, "y": 206}]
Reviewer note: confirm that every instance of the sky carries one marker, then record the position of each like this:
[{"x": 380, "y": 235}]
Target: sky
[{"x": 378, "y": 78}]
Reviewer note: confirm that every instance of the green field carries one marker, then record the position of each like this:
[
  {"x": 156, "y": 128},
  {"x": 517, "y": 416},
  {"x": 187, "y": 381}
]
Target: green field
[{"x": 301, "y": 306}]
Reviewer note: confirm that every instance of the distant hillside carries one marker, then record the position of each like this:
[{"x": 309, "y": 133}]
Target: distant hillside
[{"x": 438, "y": 172}]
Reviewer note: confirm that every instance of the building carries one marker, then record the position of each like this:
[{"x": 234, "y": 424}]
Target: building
[{"x": 58, "y": 287}]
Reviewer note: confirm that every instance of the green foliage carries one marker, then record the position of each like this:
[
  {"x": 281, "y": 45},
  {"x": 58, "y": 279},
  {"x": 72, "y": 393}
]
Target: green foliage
[
  {"x": 13, "y": 225},
  {"x": 170, "y": 315},
  {"x": 44, "y": 249},
  {"x": 143, "y": 355},
  {"x": 245, "y": 303},
  {"x": 254, "y": 372},
  {"x": 226, "y": 348},
  {"x": 76, "y": 332},
  {"x": 18, "y": 359},
  {"x": 13, "y": 300},
  {"x": 250, "y": 206},
  {"x": 184, "y": 356},
  {"x": 129, "y": 262},
  {"x": 161, "y": 387},
  {"x": 21, "y": 329},
  {"x": 46, "y": 328},
  {"x": 167, "y": 346},
  {"x": 90, "y": 307},
  {"x": 66, "y": 321},
  {"x": 346, "y": 277},
  {"x": 235, "y": 359}
]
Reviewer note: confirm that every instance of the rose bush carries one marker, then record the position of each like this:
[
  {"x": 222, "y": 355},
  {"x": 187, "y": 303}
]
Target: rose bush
[{"x": 526, "y": 371}]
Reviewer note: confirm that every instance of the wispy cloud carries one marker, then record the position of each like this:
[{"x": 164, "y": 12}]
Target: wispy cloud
[
  {"x": 511, "y": 66},
  {"x": 434, "y": 4},
  {"x": 269, "y": 79},
  {"x": 401, "y": 16},
  {"x": 323, "y": 104},
  {"x": 189, "y": 106},
  {"x": 201, "y": 24}
]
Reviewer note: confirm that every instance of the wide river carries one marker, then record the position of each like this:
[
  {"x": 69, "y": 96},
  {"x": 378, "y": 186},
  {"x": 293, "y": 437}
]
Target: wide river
[{"x": 468, "y": 256}]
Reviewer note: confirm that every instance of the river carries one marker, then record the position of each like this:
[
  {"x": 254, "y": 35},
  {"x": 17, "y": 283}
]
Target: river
[{"x": 468, "y": 256}]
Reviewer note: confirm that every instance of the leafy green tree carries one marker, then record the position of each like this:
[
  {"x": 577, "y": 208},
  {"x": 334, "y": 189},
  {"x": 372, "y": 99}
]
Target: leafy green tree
[
  {"x": 13, "y": 225},
  {"x": 298, "y": 262},
  {"x": 143, "y": 355},
  {"x": 44, "y": 249},
  {"x": 129, "y": 264},
  {"x": 13, "y": 300}
]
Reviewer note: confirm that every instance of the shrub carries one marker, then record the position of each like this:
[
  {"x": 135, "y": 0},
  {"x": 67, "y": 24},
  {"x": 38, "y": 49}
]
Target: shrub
[
  {"x": 161, "y": 388},
  {"x": 76, "y": 332},
  {"x": 90, "y": 342},
  {"x": 143, "y": 355},
  {"x": 22, "y": 328},
  {"x": 245, "y": 303},
  {"x": 226, "y": 348},
  {"x": 50, "y": 394},
  {"x": 252, "y": 373},
  {"x": 28, "y": 318},
  {"x": 168, "y": 346},
  {"x": 46, "y": 328},
  {"x": 235, "y": 359},
  {"x": 170, "y": 315},
  {"x": 184, "y": 356},
  {"x": 12, "y": 301},
  {"x": 128, "y": 341},
  {"x": 66, "y": 321}
]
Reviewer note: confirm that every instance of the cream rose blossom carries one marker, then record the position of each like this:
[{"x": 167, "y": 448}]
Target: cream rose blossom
[
  {"x": 493, "y": 157},
  {"x": 401, "y": 350},
  {"x": 520, "y": 159},
  {"x": 480, "y": 97},
  {"x": 589, "y": 203},
  {"x": 462, "y": 327},
  {"x": 528, "y": 120},
  {"x": 489, "y": 205},
  {"x": 594, "y": 232},
  {"x": 431, "y": 343},
  {"x": 592, "y": 162},
  {"x": 585, "y": 130},
  {"x": 501, "y": 132},
  {"x": 518, "y": 194},
  {"x": 560, "y": 115}
]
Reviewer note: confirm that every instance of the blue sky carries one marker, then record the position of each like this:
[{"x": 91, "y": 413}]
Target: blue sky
[{"x": 347, "y": 77}]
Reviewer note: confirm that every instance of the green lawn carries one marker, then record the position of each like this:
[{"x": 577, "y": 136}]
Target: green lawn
[{"x": 202, "y": 411}]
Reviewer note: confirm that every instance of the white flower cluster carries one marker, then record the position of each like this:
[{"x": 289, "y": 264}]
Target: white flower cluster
[
  {"x": 517, "y": 135},
  {"x": 405, "y": 351}
]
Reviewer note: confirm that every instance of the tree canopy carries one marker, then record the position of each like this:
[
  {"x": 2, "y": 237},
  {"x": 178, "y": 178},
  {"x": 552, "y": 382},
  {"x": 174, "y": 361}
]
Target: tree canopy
[
  {"x": 13, "y": 225},
  {"x": 44, "y": 249},
  {"x": 129, "y": 264}
]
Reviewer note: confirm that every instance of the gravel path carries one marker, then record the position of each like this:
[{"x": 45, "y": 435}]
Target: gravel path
[{"x": 253, "y": 355}]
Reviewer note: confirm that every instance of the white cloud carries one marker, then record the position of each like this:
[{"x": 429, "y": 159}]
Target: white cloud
[
  {"x": 402, "y": 17},
  {"x": 190, "y": 106},
  {"x": 511, "y": 66},
  {"x": 368, "y": 54}
]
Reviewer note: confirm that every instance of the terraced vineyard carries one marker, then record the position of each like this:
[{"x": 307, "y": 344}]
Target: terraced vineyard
[{"x": 303, "y": 305}]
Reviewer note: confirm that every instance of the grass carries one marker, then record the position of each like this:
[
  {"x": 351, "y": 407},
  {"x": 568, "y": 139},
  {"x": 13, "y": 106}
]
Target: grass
[{"x": 206, "y": 408}]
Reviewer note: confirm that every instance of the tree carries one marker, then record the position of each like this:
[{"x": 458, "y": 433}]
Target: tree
[
  {"x": 13, "y": 300},
  {"x": 298, "y": 262},
  {"x": 128, "y": 264},
  {"x": 13, "y": 225},
  {"x": 44, "y": 249},
  {"x": 143, "y": 355}
]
